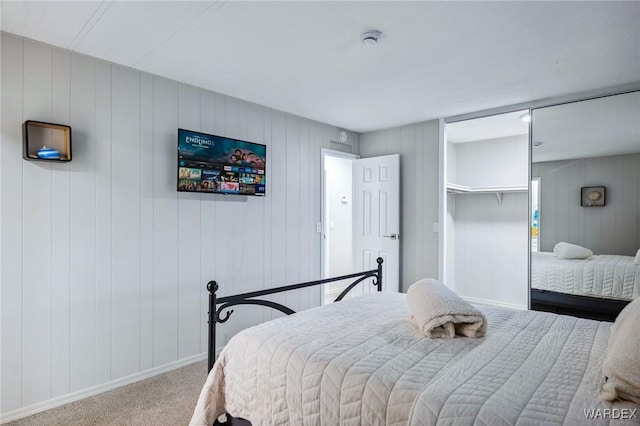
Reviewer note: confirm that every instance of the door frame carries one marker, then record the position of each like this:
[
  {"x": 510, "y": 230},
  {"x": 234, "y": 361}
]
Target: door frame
[{"x": 323, "y": 219}]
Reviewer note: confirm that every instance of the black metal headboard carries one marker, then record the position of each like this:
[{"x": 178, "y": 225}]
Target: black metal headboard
[{"x": 249, "y": 299}]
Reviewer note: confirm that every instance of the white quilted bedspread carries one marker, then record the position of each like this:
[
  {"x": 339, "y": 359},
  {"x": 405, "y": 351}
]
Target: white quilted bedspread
[
  {"x": 600, "y": 275},
  {"x": 361, "y": 362}
]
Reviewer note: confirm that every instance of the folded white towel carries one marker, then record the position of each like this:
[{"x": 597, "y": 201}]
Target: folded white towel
[
  {"x": 622, "y": 363},
  {"x": 636, "y": 261},
  {"x": 571, "y": 251},
  {"x": 439, "y": 313}
]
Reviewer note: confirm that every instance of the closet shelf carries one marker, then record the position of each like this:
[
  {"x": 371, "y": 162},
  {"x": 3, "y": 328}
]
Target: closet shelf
[{"x": 453, "y": 188}]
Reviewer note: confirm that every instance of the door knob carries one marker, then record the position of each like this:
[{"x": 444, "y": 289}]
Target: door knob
[{"x": 393, "y": 236}]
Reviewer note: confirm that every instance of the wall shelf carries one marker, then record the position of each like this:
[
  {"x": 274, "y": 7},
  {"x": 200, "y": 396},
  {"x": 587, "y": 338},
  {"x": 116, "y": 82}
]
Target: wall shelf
[
  {"x": 453, "y": 188},
  {"x": 38, "y": 134}
]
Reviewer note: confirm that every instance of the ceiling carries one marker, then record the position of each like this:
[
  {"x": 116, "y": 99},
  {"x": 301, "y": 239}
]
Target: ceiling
[
  {"x": 598, "y": 127},
  {"x": 593, "y": 128},
  {"x": 436, "y": 59},
  {"x": 491, "y": 127}
]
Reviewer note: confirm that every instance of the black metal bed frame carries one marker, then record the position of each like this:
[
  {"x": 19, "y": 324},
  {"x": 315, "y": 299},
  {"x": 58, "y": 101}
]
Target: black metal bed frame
[{"x": 249, "y": 299}]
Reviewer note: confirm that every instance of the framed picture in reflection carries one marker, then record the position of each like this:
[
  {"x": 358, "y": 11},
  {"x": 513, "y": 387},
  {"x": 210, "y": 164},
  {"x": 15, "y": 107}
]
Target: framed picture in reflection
[{"x": 592, "y": 196}]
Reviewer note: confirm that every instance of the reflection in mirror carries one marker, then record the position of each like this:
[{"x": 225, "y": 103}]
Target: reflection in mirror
[{"x": 585, "y": 214}]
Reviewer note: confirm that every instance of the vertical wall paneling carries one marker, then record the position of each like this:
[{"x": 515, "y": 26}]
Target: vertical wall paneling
[
  {"x": 125, "y": 273},
  {"x": 188, "y": 238},
  {"x": 609, "y": 227},
  {"x": 1, "y": 246},
  {"x": 267, "y": 227},
  {"x": 103, "y": 213},
  {"x": 223, "y": 273},
  {"x": 253, "y": 227},
  {"x": 315, "y": 187},
  {"x": 11, "y": 334},
  {"x": 278, "y": 195},
  {"x": 207, "y": 223},
  {"x": 223, "y": 232},
  {"x": 239, "y": 123},
  {"x": 422, "y": 177},
  {"x": 304, "y": 213},
  {"x": 593, "y": 223},
  {"x": 236, "y": 127},
  {"x": 147, "y": 245},
  {"x": 292, "y": 213},
  {"x": 165, "y": 221},
  {"x": 410, "y": 185},
  {"x": 104, "y": 263},
  {"x": 232, "y": 212},
  {"x": 60, "y": 235},
  {"x": 629, "y": 176},
  {"x": 431, "y": 161},
  {"x": 83, "y": 221},
  {"x": 499, "y": 233},
  {"x": 36, "y": 234},
  {"x": 612, "y": 229}
]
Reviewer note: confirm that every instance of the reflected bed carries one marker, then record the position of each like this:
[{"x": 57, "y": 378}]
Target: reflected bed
[
  {"x": 609, "y": 276},
  {"x": 597, "y": 288}
]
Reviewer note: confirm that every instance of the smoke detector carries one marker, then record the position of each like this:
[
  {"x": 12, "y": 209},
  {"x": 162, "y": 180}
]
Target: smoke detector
[{"x": 371, "y": 38}]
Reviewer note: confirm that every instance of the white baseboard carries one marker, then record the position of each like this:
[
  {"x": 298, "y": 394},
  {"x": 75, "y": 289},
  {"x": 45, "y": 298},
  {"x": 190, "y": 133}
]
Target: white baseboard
[
  {"x": 495, "y": 303},
  {"x": 94, "y": 390}
]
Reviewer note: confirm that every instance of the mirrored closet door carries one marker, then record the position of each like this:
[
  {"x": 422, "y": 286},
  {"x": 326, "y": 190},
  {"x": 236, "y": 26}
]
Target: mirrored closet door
[{"x": 585, "y": 206}]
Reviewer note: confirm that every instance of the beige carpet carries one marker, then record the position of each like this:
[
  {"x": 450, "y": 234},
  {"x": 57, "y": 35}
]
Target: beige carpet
[{"x": 167, "y": 399}]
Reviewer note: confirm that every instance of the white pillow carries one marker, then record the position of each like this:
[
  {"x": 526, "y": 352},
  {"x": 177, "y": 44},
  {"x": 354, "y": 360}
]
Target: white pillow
[
  {"x": 622, "y": 363},
  {"x": 636, "y": 261}
]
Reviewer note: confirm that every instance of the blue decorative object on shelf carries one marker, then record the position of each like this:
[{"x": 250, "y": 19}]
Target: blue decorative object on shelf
[
  {"x": 48, "y": 153},
  {"x": 36, "y": 135}
]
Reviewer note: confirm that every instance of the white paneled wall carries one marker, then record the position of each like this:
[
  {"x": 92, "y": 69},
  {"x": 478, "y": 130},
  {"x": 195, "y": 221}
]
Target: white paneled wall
[
  {"x": 491, "y": 162},
  {"x": 490, "y": 248},
  {"x": 417, "y": 145},
  {"x": 104, "y": 263},
  {"x": 487, "y": 241}
]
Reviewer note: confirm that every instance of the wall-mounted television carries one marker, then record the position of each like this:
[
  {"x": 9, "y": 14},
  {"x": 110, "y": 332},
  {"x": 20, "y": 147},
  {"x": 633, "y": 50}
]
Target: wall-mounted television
[{"x": 217, "y": 164}]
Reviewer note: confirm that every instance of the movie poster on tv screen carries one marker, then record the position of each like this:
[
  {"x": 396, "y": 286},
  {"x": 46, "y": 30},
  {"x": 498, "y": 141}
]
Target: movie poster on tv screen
[{"x": 214, "y": 164}]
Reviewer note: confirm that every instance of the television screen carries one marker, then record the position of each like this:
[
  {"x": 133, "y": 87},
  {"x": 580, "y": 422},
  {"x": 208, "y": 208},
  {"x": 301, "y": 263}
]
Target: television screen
[{"x": 215, "y": 164}]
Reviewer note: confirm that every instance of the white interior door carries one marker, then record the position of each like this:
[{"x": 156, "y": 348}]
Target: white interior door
[{"x": 376, "y": 196}]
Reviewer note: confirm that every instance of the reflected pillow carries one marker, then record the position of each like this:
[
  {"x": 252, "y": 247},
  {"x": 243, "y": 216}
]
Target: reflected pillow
[
  {"x": 622, "y": 363},
  {"x": 571, "y": 251}
]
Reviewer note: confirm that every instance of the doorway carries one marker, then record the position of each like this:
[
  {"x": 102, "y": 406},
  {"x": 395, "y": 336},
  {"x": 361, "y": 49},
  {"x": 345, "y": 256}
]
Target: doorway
[
  {"x": 360, "y": 219},
  {"x": 337, "y": 220}
]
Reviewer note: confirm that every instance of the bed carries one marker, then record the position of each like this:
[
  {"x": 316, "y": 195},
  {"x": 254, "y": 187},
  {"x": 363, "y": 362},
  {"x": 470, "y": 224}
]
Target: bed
[
  {"x": 361, "y": 361},
  {"x": 598, "y": 287},
  {"x": 604, "y": 275}
]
